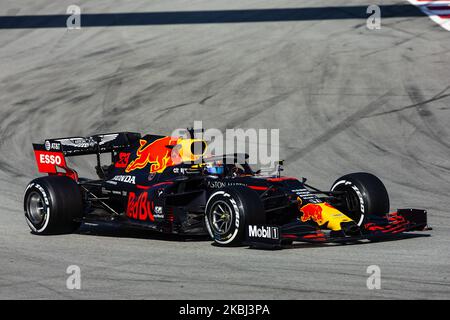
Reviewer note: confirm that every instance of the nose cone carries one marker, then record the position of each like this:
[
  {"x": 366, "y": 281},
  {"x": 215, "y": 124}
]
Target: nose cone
[{"x": 327, "y": 216}]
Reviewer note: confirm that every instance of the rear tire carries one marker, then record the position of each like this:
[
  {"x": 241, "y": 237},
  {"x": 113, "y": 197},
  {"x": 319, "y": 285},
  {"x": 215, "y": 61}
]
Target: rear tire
[
  {"x": 52, "y": 204},
  {"x": 366, "y": 196},
  {"x": 228, "y": 213}
]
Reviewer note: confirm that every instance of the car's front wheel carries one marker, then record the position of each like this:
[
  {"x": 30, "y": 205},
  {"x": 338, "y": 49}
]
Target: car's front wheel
[
  {"x": 365, "y": 195},
  {"x": 229, "y": 211}
]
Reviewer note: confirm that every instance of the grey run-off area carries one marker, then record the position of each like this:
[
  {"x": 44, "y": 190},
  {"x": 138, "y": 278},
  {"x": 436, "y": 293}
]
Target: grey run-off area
[{"x": 345, "y": 99}]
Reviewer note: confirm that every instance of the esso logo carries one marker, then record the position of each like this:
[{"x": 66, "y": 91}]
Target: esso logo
[{"x": 50, "y": 159}]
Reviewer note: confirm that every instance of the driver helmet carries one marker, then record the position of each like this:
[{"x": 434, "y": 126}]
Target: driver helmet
[{"x": 215, "y": 167}]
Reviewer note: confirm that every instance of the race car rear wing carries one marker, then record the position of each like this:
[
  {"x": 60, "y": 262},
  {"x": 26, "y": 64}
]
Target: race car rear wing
[
  {"x": 51, "y": 154},
  {"x": 99, "y": 143}
]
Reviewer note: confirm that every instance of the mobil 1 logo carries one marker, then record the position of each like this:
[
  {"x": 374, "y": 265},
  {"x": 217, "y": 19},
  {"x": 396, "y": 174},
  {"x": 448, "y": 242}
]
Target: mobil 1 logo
[
  {"x": 263, "y": 235},
  {"x": 263, "y": 232}
]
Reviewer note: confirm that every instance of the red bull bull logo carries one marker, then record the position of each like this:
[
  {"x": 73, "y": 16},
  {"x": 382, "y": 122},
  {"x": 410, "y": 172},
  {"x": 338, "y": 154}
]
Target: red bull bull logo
[
  {"x": 158, "y": 153},
  {"x": 312, "y": 211},
  {"x": 324, "y": 214}
]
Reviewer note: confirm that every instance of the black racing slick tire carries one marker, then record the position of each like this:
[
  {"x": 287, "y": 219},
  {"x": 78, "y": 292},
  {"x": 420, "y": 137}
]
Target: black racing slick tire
[
  {"x": 52, "y": 204},
  {"x": 365, "y": 196},
  {"x": 229, "y": 211}
]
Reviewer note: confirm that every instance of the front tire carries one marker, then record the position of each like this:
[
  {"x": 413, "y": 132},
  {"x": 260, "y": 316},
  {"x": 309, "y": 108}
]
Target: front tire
[
  {"x": 228, "y": 213},
  {"x": 52, "y": 204},
  {"x": 366, "y": 196}
]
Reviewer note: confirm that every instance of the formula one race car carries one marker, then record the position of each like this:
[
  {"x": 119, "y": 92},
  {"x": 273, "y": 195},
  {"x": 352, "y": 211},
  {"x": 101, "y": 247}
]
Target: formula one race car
[{"x": 170, "y": 184}]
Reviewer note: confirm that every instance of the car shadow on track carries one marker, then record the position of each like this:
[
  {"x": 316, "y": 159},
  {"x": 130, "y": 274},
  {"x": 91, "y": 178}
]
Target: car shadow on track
[
  {"x": 306, "y": 245},
  {"x": 119, "y": 231},
  {"x": 398, "y": 237}
]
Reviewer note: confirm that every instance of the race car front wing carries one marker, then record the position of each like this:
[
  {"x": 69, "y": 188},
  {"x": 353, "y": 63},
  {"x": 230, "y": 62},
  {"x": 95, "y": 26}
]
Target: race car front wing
[{"x": 376, "y": 228}]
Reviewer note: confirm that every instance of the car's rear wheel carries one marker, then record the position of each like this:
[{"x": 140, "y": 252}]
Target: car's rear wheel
[
  {"x": 366, "y": 195},
  {"x": 53, "y": 205},
  {"x": 229, "y": 211}
]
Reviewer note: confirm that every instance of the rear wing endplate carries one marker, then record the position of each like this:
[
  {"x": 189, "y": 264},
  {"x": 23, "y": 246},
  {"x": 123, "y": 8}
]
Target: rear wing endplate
[{"x": 51, "y": 154}]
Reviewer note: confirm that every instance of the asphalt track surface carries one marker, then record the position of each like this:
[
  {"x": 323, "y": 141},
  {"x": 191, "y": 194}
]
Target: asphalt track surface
[{"x": 345, "y": 98}]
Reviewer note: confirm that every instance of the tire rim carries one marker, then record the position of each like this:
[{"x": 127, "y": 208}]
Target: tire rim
[
  {"x": 353, "y": 203},
  {"x": 221, "y": 217},
  {"x": 36, "y": 208}
]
